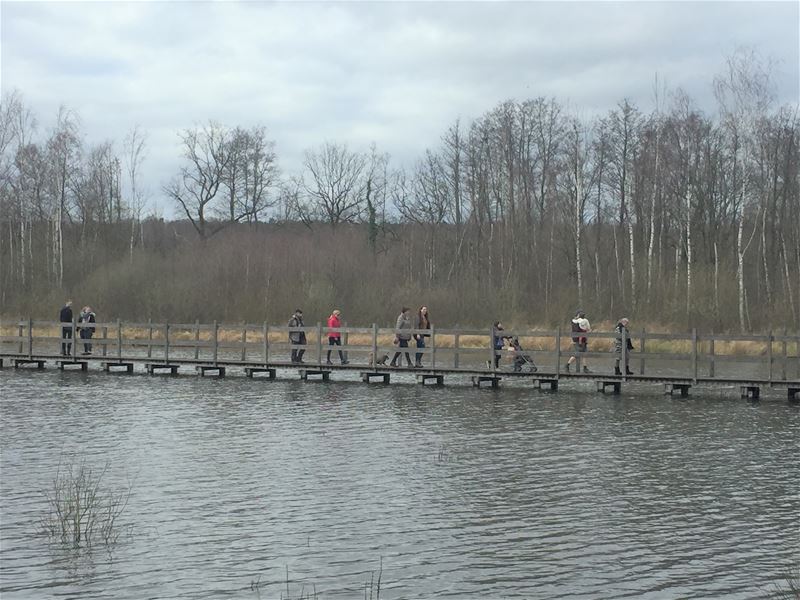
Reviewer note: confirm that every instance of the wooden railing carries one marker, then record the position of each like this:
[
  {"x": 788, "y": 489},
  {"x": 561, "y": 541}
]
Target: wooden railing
[{"x": 694, "y": 355}]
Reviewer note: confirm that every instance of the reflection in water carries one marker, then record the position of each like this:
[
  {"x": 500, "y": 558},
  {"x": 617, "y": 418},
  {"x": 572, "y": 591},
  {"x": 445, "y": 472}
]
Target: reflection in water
[{"x": 459, "y": 492}]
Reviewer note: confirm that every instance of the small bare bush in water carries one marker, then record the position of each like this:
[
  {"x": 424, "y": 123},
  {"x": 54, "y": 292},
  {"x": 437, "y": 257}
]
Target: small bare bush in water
[
  {"x": 791, "y": 589},
  {"x": 81, "y": 511}
]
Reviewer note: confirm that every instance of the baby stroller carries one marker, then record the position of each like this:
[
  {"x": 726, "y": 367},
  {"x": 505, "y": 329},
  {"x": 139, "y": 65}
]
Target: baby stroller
[{"x": 520, "y": 358}]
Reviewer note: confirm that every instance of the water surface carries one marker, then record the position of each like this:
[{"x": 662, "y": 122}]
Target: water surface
[{"x": 452, "y": 492}]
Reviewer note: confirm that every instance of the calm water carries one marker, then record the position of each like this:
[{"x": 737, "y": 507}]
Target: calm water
[{"x": 459, "y": 492}]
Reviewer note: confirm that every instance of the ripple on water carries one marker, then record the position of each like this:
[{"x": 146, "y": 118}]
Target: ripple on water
[{"x": 458, "y": 492}]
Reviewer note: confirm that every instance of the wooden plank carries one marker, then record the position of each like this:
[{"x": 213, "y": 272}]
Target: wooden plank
[
  {"x": 769, "y": 355},
  {"x": 642, "y": 350},
  {"x": 711, "y": 358}
]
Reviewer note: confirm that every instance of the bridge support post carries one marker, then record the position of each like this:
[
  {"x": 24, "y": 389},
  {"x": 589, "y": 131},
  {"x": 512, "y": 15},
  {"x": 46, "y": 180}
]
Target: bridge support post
[
  {"x": 551, "y": 383},
  {"x": 108, "y": 367},
  {"x": 427, "y": 378},
  {"x": 750, "y": 391},
  {"x": 203, "y": 369},
  {"x": 24, "y": 362},
  {"x": 482, "y": 380},
  {"x": 251, "y": 371},
  {"x": 370, "y": 376},
  {"x": 154, "y": 369},
  {"x": 682, "y": 388},
  {"x": 616, "y": 386},
  {"x": 62, "y": 364},
  {"x": 323, "y": 374},
  {"x": 793, "y": 393}
]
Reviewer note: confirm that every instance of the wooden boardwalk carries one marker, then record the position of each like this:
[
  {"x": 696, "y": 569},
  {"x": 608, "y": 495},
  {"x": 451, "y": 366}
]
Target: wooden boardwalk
[{"x": 677, "y": 361}]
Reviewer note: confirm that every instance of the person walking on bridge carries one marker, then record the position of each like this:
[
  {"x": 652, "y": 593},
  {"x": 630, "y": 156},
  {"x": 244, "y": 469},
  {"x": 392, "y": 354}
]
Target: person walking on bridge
[
  {"x": 580, "y": 324},
  {"x": 423, "y": 322},
  {"x": 297, "y": 338},
  {"x": 65, "y": 317},
  {"x": 402, "y": 337},
  {"x": 335, "y": 336}
]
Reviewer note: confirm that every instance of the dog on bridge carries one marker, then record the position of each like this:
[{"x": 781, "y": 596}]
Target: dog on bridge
[{"x": 382, "y": 360}]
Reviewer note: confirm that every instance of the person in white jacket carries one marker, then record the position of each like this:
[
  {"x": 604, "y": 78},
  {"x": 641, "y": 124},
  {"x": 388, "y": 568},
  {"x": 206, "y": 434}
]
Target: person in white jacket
[{"x": 580, "y": 324}]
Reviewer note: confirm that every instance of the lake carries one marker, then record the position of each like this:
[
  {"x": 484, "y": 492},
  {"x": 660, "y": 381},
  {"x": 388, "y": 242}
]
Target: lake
[{"x": 266, "y": 489}]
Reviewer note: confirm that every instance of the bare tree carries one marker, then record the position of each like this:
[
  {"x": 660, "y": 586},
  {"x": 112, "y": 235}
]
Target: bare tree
[
  {"x": 744, "y": 93},
  {"x": 196, "y": 188},
  {"x": 333, "y": 184}
]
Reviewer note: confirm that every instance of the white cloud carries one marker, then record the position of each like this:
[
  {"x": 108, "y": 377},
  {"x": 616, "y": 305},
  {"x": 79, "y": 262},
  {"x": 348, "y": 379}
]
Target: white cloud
[{"x": 394, "y": 73}]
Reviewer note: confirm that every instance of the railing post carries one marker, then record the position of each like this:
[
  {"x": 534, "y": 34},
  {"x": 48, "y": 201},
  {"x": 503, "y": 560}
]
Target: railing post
[
  {"x": 149, "y": 338},
  {"x": 119, "y": 338},
  {"x": 433, "y": 347},
  {"x": 244, "y": 342},
  {"x": 625, "y": 354},
  {"x": 345, "y": 341},
  {"x": 784, "y": 352},
  {"x": 711, "y": 353},
  {"x": 319, "y": 343},
  {"x": 492, "y": 357},
  {"x": 19, "y": 335},
  {"x": 374, "y": 346},
  {"x": 558, "y": 352},
  {"x": 769, "y": 356},
  {"x": 216, "y": 341},
  {"x": 196, "y": 339},
  {"x": 456, "y": 343},
  {"x": 694, "y": 355},
  {"x": 166, "y": 343},
  {"x": 641, "y": 350},
  {"x": 30, "y": 338},
  {"x": 266, "y": 344},
  {"x": 74, "y": 339},
  {"x": 105, "y": 340}
]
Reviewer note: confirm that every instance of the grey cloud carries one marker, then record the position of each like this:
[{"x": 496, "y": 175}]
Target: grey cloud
[{"x": 394, "y": 73}]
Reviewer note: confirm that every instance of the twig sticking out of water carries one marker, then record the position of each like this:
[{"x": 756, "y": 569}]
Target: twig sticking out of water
[{"x": 80, "y": 510}]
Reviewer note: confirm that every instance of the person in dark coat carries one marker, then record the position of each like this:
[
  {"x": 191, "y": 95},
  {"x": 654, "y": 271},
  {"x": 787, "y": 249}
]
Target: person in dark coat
[
  {"x": 86, "y": 321},
  {"x": 622, "y": 331},
  {"x": 65, "y": 317},
  {"x": 423, "y": 322},
  {"x": 297, "y": 338},
  {"x": 498, "y": 342}
]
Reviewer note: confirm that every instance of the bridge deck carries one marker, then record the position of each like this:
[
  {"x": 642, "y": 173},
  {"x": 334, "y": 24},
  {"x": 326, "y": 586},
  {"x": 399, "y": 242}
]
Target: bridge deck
[{"x": 679, "y": 359}]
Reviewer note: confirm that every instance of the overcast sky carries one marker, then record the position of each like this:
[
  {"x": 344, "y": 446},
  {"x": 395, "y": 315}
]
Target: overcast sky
[{"x": 396, "y": 73}]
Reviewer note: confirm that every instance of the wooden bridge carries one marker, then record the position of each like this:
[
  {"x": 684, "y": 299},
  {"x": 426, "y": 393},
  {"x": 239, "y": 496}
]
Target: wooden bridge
[{"x": 677, "y": 361}]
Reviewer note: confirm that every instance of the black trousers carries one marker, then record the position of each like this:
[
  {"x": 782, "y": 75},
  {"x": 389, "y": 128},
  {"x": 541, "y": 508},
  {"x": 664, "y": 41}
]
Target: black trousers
[
  {"x": 402, "y": 344},
  {"x": 335, "y": 341},
  {"x": 86, "y": 336},
  {"x": 66, "y": 334}
]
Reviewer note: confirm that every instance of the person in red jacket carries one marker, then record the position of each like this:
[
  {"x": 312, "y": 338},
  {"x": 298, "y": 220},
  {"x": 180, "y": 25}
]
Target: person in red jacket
[{"x": 334, "y": 335}]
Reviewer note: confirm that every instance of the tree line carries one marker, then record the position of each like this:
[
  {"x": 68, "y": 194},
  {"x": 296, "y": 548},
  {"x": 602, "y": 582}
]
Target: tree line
[{"x": 672, "y": 217}]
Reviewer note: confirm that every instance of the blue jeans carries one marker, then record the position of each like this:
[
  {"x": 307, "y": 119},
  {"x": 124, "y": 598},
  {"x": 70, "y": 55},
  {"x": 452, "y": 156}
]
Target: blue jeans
[{"x": 420, "y": 344}]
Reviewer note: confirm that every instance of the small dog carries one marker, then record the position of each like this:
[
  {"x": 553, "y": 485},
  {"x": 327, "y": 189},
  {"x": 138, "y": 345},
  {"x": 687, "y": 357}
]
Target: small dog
[{"x": 381, "y": 362}]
